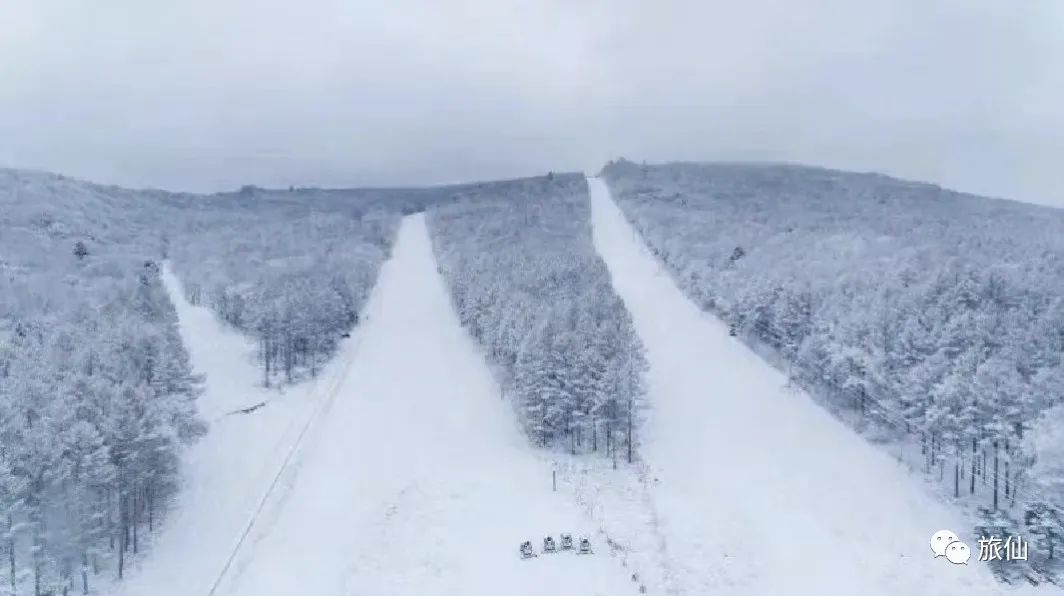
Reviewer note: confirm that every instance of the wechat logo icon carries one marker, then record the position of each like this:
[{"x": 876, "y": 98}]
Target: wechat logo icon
[{"x": 945, "y": 543}]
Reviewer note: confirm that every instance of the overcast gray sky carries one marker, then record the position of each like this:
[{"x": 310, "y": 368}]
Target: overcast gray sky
[{"x": 212, "y": 94}]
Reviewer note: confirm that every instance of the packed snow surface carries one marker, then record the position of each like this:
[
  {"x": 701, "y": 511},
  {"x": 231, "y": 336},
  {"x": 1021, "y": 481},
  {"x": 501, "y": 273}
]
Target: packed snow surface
[
  {"x": 226, "y": 472},
  {"x": 758, "y": 490},
  {"x": 412, "y": 478}
]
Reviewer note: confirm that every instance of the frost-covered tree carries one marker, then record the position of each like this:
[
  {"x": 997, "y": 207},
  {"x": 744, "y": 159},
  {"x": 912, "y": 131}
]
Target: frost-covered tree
[
  {"x": 96, "y": 391},
  {"x": 293, "y": 277},
  {"x": 530, "y": 288},
  {"x": 291, "y": 268}
]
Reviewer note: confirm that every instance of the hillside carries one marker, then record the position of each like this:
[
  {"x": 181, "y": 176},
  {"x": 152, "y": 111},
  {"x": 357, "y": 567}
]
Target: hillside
[
  {"x": 97, "y": 395},
  {"x": 335, "y": 389},
  {"x": 928, "y": 319},
  {"x": 746, "y": 486}
]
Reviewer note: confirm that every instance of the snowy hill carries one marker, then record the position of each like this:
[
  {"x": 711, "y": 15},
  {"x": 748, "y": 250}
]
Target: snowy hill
[
  {"x": 328, "y": 392},
  {"x": 417, "y": 479},
  {"x": 97, "y": 397},
  {"x": 411, "y": 476},
  {"x": 752, "y": 488},
  {"x": 928, "y": 319}
]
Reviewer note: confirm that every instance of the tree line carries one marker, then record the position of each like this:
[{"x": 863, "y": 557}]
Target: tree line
[
  {"x": 293, "y": 275},
  {"x": 528, "y": 285},
  {"x": 96, "y": 391}
]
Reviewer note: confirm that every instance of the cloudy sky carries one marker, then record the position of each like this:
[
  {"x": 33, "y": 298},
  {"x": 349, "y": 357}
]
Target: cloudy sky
[{"x": 212, "y": 94}]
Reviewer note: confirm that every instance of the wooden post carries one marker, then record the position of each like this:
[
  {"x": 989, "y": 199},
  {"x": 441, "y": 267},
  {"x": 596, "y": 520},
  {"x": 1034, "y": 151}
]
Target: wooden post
[{"x": 554, "y": 480}]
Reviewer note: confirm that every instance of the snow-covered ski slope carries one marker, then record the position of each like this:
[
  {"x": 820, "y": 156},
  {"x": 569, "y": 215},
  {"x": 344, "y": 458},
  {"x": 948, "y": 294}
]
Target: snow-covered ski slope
[
  {"x": 412, "y": 480},
  {"x": 412, "y": 477},
  {"x": 226, "y": 472},
  {"x": 760, "y": 491}
]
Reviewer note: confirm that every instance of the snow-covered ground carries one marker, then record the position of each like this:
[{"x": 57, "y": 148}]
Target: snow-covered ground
[
  {"x": 227, "y": 472},
  {"x": 407, "y": 474},
  {"x": 413, "y": 479},
  {"x": 751, "y": 488}
]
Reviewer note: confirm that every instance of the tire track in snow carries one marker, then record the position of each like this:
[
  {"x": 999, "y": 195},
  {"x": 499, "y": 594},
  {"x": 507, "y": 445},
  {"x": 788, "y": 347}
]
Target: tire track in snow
[
  {"x": 590, "y": 491},
  {"x": 289, "y": 469},
  {"x": 668, "y": 575}
]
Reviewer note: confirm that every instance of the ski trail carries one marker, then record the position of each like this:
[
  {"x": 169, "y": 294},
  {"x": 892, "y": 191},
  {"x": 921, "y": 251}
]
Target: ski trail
[
  {"x": 418, "y": 481},
  {"x": 280, "y": 485},
  {"x": 225, "y": 473},
  {"x": 664, "y": 563},
  {"x": 761, "y": 491}
]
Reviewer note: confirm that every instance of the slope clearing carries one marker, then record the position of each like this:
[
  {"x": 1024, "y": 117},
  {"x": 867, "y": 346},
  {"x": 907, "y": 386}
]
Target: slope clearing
[
  {"x": 759, "y": 490},
  {"x": 415, "y": 478}
]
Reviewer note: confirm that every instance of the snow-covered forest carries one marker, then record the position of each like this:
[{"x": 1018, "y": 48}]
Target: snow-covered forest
[
  {"x": 291, "y": 274},
  {"x": 96, "y": 391},
  {"x": 929, "y": 319},
  {"x": 529, "y": 286}
]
